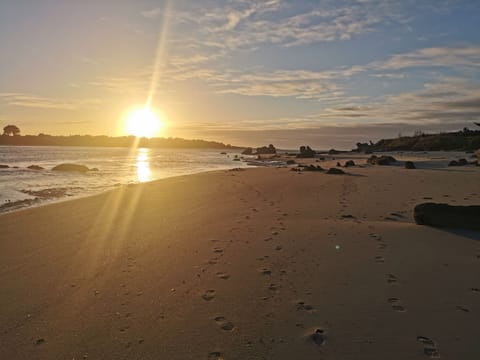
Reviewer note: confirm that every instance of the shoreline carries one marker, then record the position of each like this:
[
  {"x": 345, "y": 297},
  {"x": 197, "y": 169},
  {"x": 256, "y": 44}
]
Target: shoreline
[{"x": 252, "y": 163}]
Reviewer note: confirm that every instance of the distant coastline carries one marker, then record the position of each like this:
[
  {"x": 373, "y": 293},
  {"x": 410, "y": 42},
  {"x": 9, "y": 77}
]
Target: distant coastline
[
  {"x": 107, "y": 141},
  {"x": 463, "y": 140}
]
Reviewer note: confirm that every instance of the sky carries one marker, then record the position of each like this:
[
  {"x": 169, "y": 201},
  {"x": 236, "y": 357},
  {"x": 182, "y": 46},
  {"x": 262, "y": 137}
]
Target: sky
[{"x": 324, "y": 73}]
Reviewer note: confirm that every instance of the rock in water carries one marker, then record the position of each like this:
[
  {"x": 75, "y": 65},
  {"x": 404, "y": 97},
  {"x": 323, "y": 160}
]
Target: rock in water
[
  {"x": 35, "y": 167},
  {"x": 448, "y": 216},
  {"x": 71, "y": 167},
  {"x": 349, "y": 163},
  {"x": 409, "y": 165}
]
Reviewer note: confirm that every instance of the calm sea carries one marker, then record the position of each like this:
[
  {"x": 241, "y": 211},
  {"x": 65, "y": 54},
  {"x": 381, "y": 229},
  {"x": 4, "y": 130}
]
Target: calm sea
[{"x": 22, "y": 187}]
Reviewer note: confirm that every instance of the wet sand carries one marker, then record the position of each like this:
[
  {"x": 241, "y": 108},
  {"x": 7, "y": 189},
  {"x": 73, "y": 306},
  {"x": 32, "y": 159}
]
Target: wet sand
[{"x": 263, "y": 263}]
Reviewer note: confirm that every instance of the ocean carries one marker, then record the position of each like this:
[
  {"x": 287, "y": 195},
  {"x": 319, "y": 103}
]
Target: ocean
[{"x": 22, "y": 187}]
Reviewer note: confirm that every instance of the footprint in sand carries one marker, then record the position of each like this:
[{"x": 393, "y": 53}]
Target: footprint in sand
[
  {"x": 391, "y": 279},
  {"x": 208, "y": 295},
  {"x": 223, "y": 276},
  {"x": 224, "y": 323},
  {"x": 429, "y": 347},
  {"x": 319, "y": 337},
  {"x": 265, "y": 271},
  {"x": 215, "y": 355},
  {"x": 396, "y": 305},
  {"x": 273, "y": 287},
  {"x": 301, "y": 305},
  {"x": 217, "y": 250}
]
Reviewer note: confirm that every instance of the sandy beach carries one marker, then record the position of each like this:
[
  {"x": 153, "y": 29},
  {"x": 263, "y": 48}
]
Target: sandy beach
[{"x": 263, "y": 263}]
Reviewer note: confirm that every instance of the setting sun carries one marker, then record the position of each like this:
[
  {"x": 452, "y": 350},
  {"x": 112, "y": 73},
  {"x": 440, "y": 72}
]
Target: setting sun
[{"x": 143, "y": 122}]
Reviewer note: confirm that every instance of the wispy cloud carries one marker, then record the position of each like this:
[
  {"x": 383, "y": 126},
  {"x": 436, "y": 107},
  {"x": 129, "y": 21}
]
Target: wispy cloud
[
  {"x": 458, "y": 57},
  {"x": 36, "y": 101}
]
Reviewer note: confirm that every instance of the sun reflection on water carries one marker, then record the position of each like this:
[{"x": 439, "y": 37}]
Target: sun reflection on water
[{"x": 143, "y": 165}]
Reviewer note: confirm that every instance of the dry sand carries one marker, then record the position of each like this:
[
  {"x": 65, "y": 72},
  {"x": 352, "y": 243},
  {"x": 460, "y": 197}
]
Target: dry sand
[{"x": 245, "y": 265}]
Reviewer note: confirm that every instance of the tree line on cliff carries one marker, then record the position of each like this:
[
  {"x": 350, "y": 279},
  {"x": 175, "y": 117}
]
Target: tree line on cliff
[{"x": 463, "y": 140}]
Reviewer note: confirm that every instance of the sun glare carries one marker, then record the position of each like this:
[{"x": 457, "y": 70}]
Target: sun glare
[{"x": 143, "y": 122}]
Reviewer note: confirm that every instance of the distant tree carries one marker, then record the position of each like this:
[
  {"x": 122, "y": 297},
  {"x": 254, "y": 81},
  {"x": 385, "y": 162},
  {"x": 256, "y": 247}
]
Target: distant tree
[{"x": 11, "y": 130}]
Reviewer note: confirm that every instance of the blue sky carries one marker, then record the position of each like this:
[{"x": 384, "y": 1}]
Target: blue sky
[{"x": 324, "y": 73}]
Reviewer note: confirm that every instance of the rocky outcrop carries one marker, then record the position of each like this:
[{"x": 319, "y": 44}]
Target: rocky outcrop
[
  {"x": 247, "y": 151},
  {"x": 270, "y": 149},
  {"x": 35, "y": 167},
  {"x": 349, "y": 163},
  {"x": 382, "y": 160},
  {"x": 71, "y": 167},
  {"x": 409, "y": 165},
  {"x": 448, "y": 216},
  {"x": 306, "y": 152}
]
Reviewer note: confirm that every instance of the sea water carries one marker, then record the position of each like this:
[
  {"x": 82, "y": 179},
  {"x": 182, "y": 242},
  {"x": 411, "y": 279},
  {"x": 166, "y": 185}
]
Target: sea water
[{"x": 21, "y": 187}]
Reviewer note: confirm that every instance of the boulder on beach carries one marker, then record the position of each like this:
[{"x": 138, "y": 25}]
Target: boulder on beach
[
  {"x": 349, "y": 163},
  {"x": 462, "y": 162},
  {"x": 4, "y": 166},
  {"x": 453, "y": 163},
  {"x": 35, "y": 167},
  {"x": 312, "y": 168},
  {"x": 335, "y": 171},
  {"x": 382, "y": 160},
  {"x": 71, "y": 167},
  {"x": 409, "y": 165},
  {"x": 448, "y": 216}
]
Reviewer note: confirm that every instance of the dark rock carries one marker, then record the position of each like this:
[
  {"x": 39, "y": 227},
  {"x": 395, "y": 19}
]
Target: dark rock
[
  {"x": 448, "y": 216},
  {"x": 35, "y": 167},
  {"x": 335, "y": 171},
  {"x": 4, "y": 166},
  {"x": 312, "y": 168},
  {"x": 338, "y": 164},
  {"x": 409, "y": 165},
  {"x": 453, "y": 163},
  {"x": 270, "y": 149},
  {"x": 306, "y": 152},
  {"x": 462, "y": 162},
  {"x": 349, "y": 163},
  {"x": 333, "y": 152},
  {"x": 291, "y": 162},
  {"x": 71, "y": 167},
  {"x": 247, "y": 151},
  {"x": 382, "y": 160}
]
